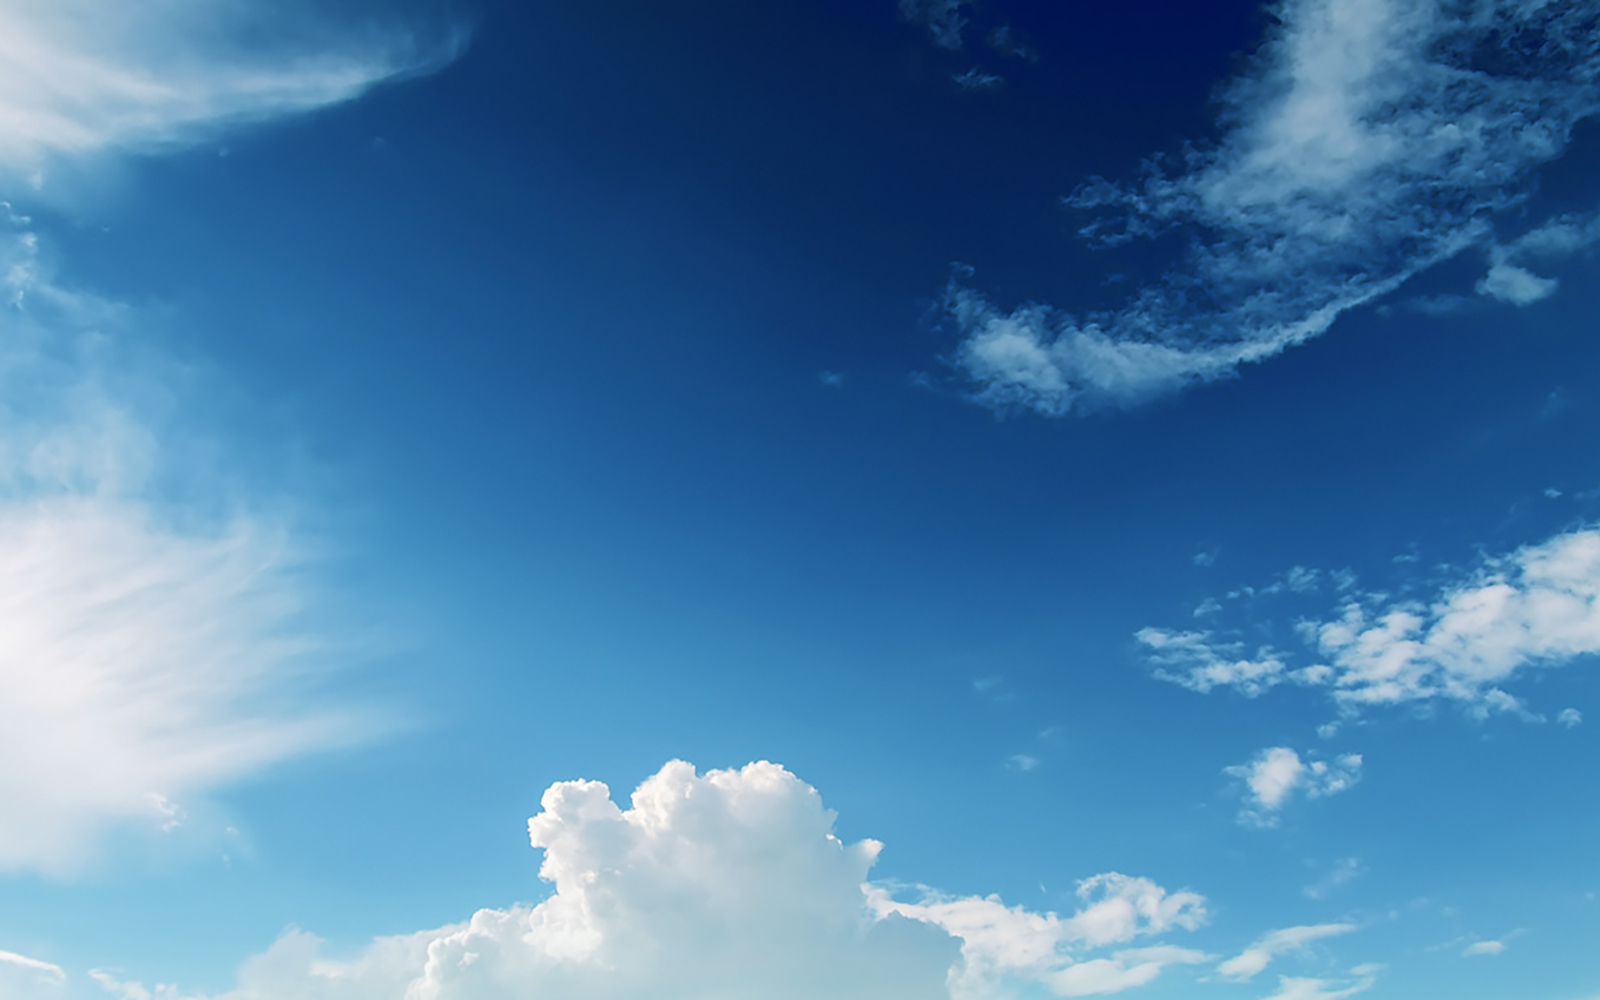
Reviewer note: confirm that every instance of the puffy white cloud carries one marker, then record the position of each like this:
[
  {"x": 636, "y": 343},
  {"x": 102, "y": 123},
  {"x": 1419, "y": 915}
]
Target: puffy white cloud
[
  {"x": 80, "y": 77},
  {"x": 1255, "y": 958},
  {"x": 1483, "y": 948},
  {"x": 1536, "y": 607},
  {"x": 1570, "y": 717},
  {"x": 1277, "y": 774},
  {"x": 733, "y": 884},
  {"x": 150, "y": 651},
  {"x": 1370, "y": 140}
]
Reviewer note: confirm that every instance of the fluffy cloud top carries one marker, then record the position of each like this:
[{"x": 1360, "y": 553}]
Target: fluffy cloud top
[
  {"x": 1277, "y": 774},
  {"x": 732, "y": 884},
  {"x": 1536, "y": 607},
  {"x": 79, "y": 77},
  {"x": 1372, "y": 140}
]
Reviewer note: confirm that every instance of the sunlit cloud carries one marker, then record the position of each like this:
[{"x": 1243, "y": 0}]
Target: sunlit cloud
[{"x": 733, "y": 883}]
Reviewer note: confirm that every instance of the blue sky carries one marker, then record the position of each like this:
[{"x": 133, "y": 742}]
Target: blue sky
[{"x": 922, "y": 499}]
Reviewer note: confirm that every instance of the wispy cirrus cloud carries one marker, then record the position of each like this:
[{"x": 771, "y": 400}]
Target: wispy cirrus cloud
[
  {"x": 1536, "y": 607},
  {"x": 153, "y": 642},
  {"x": 79, "y": 78},
  {"x": 733, "y": 883},
  {"x": 155, "y": 645},
  {"x": 1254, "y": 959},
  {"x": 1371, "y": 140}
]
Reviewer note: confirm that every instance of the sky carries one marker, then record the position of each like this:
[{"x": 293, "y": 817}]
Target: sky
[{"x": 895, "y": 499}]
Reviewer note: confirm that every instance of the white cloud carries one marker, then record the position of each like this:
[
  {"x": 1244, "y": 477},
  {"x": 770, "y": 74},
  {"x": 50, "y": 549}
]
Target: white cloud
[
  {"x": 1293, "y": 988},
  {"x": 1248, "y": 963},
  {"x": 1570, "y": 717},
  {"x": 1370, "y": 141},
  {"x": 1516, "y": 285},
  {"x": 1022, "y": 762},
  {"x": 150, "y": 653},
  {"x": 1277, "y": 774},
  {"x": 733, "y": 884},
  {"x": 20, "y": 971},
  {"x": 1483, "y": 948},
  {"x": 1197, "y": 662},
  {"x": 79, "y": 77},
  {"x": 1536, "y": 607}
]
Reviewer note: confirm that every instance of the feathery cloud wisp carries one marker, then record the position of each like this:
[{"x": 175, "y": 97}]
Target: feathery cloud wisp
[
  {"x": 79, "y": 78},
  {"x": 1372, "y": 140}
]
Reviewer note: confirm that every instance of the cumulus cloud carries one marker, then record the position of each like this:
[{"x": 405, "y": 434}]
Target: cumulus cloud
[
  {"x": 733, "y": 884},
  {"x": 1536, "y": 607},
  {"x": 80, "y": 78},
  {"x": 1570, "y": 717},
  {"x": 1370, "y": 140},
  {"x": 944, "y": 19},
  {"x": 150, "y": 649},
  {"x": 1483, "y": 948},
  {"x": 1277, "y": 774},
  {"x": 1248, "y": 963}
]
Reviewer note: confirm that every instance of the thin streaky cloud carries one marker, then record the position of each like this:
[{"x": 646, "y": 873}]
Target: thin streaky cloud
[
  {"x": 1363, "y": 148},
  {"x": 79, "y": 79}
]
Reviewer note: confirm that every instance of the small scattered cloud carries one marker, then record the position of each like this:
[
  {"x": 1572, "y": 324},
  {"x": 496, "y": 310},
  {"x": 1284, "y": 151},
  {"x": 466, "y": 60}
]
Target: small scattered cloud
[
  {"x": 1003, "y": 39},
  {"x": 1483, "y": 948},
  {"x": 1276, "y": 775},
  {"x": 1197, "y": 661},
  {"x": 1022, "y": 762},
  {"x": 79, "y": 78},
  {"x": 1360, "y": 148},
  {"x": 1516, "y": 285},
  {"x": 1344, "y": 872},
  {"x": 1254, "y": 959},
  {"x": 1205, "y": 558},
  {"x": 1296, "y": 988},
  {"x": 831, "y": 379},
  {"x": 1570, "y": 717},
  {"x": 1509, "y": 280},
  {"x": 1538, "y": 606},
  {"x": 977, "y": 79}
]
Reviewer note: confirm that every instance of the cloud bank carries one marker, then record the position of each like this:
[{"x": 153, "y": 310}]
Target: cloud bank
[
  {"x": 79, "y": 78},
  {"x": 732, "y": 884},
  {"x": 1371, "y": 140},
  {"x": 1538, "y": 607}
]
